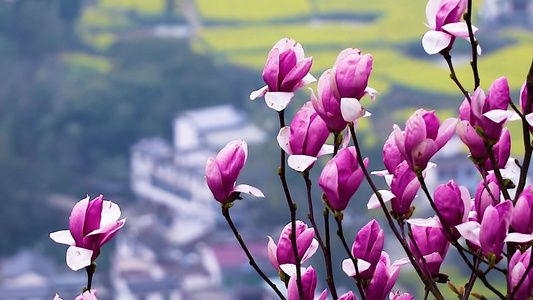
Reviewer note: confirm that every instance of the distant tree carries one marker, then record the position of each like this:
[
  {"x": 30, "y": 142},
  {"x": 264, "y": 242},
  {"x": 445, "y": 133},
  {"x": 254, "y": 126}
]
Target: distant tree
[{"x": 69, "y": 12}]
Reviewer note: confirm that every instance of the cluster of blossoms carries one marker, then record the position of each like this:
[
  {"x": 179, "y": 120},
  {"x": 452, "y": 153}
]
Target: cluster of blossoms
[
  {"x": 492, "y": 231},
  {"x": 92, "y": 223}
]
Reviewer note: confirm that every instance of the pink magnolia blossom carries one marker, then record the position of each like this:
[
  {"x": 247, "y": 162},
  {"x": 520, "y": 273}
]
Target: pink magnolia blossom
[
  {"x": 398, "y": 296},
  {"x": 341, "y": 88},
  {"x": 522, "y": 220},
  {"x": 384, "y": 278},
  {"x": 341, "y": 178},
  {"x": 444, "y": 22},
  {"x": 432, "y": 244},
  {"x": 286, "y": 70},
  {"x": 367, "y": 246},
  {"x": 484, "y": 198},
  {"x": 454, "y": 204},
  {"x": 283, "y": 253},
  {"x": 91, "y": 225},
  {"x": 305, "y": 139},
  {"x": 423, "y": 137},
  {"x": 309, "y": 282},
  {"x": 88, "y": 295},
  {"x": 518, "y": 265},
  {"x": 348, "y": 296},
  {"x": 477, "y": 113},
  {"x": 222, "y": 171}
]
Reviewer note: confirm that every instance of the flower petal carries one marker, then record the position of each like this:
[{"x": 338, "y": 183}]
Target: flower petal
[
  {"x": 434, "y": 41},
  {"x": 283, "y": 138},
  {"x": 300, "y": 162},
  {"x": 349, "y": 268},
  {"x": 374, "y": 202},
  {"x": 259, "y": 93},
  {"x": 518, "y": 237},
  {"x": 248, "y": 189},
  {"x": 500, "y": 115},
  {"x": 458, "y": 29},
  {"x": 351, "y": 109},
  {"x": 78, "y": 258},
  {"x": 63, "y": 237},
  {"x": 278, "y": 101}
]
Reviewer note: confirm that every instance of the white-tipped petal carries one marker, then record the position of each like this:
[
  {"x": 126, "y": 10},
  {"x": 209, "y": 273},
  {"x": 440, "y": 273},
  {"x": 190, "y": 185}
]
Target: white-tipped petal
[
  {"x": 434, "y": 41},
  {"x": 283, "y": 138},
  {"x": 351, "y": 109},
  {"x": 349, "y": 268}
]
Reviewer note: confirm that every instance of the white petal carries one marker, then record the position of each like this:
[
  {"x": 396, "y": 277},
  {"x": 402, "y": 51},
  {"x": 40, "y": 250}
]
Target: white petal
[
  {"x": 470, "y": 231},
  {"x": 434, "y": 41},
  {"x": 63, "y": 237},
  {"x": 372, "y": 92},
  {"x": 258, "y": 93},
  {"x": 349, "y": 268},
  {"x": 373, "y": 202},
  {"x": 78, "y": 258},
  {"x": 431, "y": 222},
  {"x": 278, "y": 101},
  {"x": 518, "y": 237},
  {"x": 300, "y": 162},
  {"x": 110, "y": 214},
  {"x": 283, "y": 138},
  {"x": 401, "y": 262},
  {"x": 351, "y": 109},
  {"x": 308, "y": 79},
  {"x": 248, "y": 189},
  {"x": 325, "y": 150},
  {"x": 458, "y": 29},
  {"x": 529, "y": 119},
  {"x": 499, "y": 115},
  {"x": 381, "y": 173}
]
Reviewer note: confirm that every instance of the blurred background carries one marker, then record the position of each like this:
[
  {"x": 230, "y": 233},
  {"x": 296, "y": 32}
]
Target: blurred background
[{"x": 128, "y": 98}]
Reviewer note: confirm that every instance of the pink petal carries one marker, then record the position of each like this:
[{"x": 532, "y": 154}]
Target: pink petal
[
  {"x": 351, "y": 109},
  {"x": 310, "y": 250},
  {"x": 300, "y": 162},
  {"x": 308, "y": 79},
  {"x": 430, "y": 222},
  {"x": 278, "y": 101},
  {"x": 78, "y": 258},
  {"x": 435, "y": 41},
  {"x": 248, "y": 189},
  {"x": 432, "y": 8},
  {"x": 77, "y": 219},
  {"x": 446, "y": 130},
  {"x": 323, "y": 295},
  {"x": 259, "y": 93},
  {"x": 63, "y": 237},
  {"x": 283, "y": 138}
]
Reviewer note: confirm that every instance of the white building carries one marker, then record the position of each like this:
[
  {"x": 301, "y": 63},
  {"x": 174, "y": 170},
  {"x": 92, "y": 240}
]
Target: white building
[{"x": 161, "y": 254}]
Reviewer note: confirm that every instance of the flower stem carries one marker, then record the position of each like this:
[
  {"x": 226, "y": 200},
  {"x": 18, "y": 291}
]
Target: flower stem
[
  {"x": 292, "y": 208},
  {"x": 426, "y": 280},
  {"x": 473, "y": 44},
  {"x": 340, "y": 233}
]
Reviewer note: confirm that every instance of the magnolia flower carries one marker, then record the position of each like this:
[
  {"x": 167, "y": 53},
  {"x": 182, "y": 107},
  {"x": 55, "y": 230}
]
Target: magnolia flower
[
  {"x": 308, "y": 286},
  {"x": 485, "y": 111},
  {"x": 483, "y": 197},
  {"x": 384, "y": 278},
  {"x": 397, "y": 296},
  {"x": 348, "y": 296},
  {"x": 432, "y": 244},
  {"x": 423, "y": 137},
  {"x": 522, "y": 219},
  {"x": 453, "y": 202},
  {"x": 443, "y": 20},
  {"x": 88, "y": 295},
  {"x": 490, "y": 234},
  {"x": 341, "y": 178},
  {"x": 286, "y": 70},
  {"x": 91, "y": 225},
  {"x": 283, "y": 252},
  {"x": 518, "y": 265},
  {"x": 221, "y": 172},
  {"x": 304, "y": 139},
  {"x": 367, "y": 248}
]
